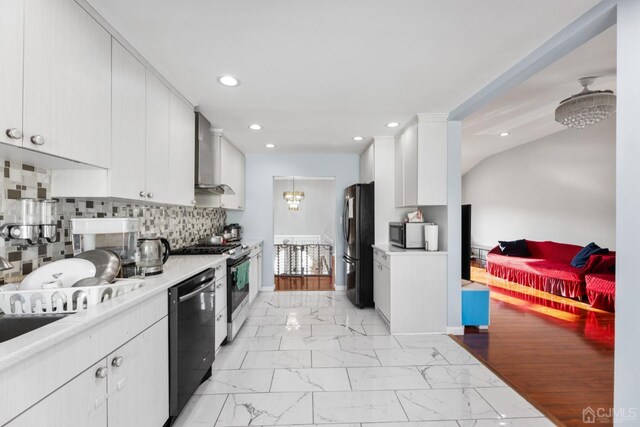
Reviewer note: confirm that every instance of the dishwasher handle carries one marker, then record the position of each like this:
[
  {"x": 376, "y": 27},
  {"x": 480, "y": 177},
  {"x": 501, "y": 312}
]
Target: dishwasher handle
[{"x": 197, "y": 291}]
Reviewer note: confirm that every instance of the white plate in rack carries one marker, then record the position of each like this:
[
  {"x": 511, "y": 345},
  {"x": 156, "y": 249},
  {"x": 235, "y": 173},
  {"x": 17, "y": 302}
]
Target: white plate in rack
[{"x": 66, "y": 271}]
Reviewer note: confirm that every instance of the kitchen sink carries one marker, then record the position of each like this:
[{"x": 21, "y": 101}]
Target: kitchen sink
[{"x": 14, "y": 326}]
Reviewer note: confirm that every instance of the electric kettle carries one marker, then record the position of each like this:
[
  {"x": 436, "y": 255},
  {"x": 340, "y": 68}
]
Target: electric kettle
[{"x": 153, "y": 253}]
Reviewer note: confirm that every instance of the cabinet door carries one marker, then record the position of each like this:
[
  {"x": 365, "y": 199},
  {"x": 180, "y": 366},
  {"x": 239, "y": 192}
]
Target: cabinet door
[
  {"x": 232, "y": 174},
  {"x": 221, "y": 327},
  {"x": 410, "y": 165},
  {"x": 399, "y": 170},
  {"x": 259, "y": 274},
  {"x": 253, "y": 277},
  {"x": 79, "y": 403},
  {"x": 181, "y": 152},
  {"x": 128, "y": 125},
  {"x": 221, "y": 294},
  {"x": 11, "y": 48},
  {"x": 381, "y": 290},
  {"x": 157, "y": 139},
  {"x": 139, "y": 386},
  {"x": 67, "y": 82}
]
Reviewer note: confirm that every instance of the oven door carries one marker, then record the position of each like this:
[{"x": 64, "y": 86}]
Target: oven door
[{"x": 236, "y": 292}]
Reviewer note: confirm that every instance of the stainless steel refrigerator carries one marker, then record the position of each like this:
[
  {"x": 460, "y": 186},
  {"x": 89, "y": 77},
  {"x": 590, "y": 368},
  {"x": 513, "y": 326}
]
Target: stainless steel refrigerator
[{"x": 358, "y": 236}]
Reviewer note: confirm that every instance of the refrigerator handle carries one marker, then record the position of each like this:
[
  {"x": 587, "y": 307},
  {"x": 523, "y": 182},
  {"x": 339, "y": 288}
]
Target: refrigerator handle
[{"x": 345, "y": 222}]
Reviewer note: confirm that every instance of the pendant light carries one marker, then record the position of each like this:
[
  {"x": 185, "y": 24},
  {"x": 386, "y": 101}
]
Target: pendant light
[{"x": 293, "y": 197}]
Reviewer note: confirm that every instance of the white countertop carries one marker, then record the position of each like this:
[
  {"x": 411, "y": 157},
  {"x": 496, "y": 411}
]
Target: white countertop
[
  {"x": 394, "y": 250},
  {"x": 177, "y": 269},
  {"x": 251, "y": 242}
]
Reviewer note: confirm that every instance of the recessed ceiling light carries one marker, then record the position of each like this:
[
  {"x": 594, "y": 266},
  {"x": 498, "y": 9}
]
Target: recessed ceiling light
[
  {"x": 393, "y": 124},
  {"x": 255, "y": 126},
  {"x": 505, "y": 134},
  {"x": 228, "y": 80},
  {"x": 270, "y": 146},
  {"x": 358, "y": 138}
]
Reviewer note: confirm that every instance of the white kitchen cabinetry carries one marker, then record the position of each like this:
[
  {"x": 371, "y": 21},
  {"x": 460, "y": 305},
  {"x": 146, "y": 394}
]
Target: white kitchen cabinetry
[
  {"x": 367, "y": 164},
  {"x": 181, "y": 165},
  {"x": 67, "y": 82},
  {"x": 80, "y": 402},
  {"x": 228, "y": 168},
  {"x": 255, "y": 272},
  {"x": 11, "y": 49},
  {"x": 128, "y": 388},
  {"x": 410, "y": 289},
  {"x": 157, "y": 140},
  {"x": 381, "y": 153},
  {"x": 221, "y": 305},
  {"x": 128, "y": 111},
  {"x": 421, "y": 162},
  {"x": 232, "y": 173}
]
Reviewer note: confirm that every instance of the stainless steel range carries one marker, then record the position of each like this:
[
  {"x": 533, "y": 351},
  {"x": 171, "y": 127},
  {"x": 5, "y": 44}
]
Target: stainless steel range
[{"x": 237, "y": 295}]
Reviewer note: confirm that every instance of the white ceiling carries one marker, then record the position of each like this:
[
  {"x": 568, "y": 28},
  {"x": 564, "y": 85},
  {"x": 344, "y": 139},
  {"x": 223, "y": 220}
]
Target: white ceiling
[
  {"x": 315, "y": 73},
  {"x": 527, "y": 111}
]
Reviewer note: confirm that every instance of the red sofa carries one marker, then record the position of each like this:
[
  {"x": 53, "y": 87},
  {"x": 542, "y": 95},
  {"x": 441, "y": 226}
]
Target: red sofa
[
  {"x": 601, "y": 290},
  {"x": 548, "y": 268}
]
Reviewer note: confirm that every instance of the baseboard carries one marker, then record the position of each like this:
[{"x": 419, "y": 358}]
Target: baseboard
[
  {"x": 455, "y": 330},
  {"x": 340, "y": 288},
  {"x": 268, "y": 288}
]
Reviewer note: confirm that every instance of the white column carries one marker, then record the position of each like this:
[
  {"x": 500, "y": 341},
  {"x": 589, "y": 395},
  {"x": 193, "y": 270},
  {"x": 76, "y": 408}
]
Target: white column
[
  {"x": 627, "y": 354},
  {"x": 454, "y": 224}
]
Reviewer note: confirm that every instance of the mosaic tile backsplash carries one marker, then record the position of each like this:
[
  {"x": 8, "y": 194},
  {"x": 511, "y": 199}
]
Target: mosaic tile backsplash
[{"x": 181, "y": 225}]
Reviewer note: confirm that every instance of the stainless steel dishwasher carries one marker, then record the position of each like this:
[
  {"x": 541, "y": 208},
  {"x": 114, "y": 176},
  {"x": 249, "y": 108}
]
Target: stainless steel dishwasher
[{"x": 191, "y": 337}]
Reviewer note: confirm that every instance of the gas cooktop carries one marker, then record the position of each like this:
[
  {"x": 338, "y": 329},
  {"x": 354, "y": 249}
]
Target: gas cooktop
[{"x": 233, "y": 249}]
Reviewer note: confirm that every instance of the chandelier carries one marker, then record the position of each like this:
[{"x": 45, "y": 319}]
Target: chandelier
[
  {"x": 293, "y": 197},
  {"x": 587, "y": 107}
]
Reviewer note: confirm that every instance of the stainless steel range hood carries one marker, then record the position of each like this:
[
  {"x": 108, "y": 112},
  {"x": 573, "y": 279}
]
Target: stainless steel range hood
[{"x": 207, "y": 169}]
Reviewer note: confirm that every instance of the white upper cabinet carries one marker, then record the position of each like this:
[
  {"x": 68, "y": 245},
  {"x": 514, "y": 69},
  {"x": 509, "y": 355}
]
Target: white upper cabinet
[
  {"x": 421, "y": 162},
  {"x": 232, "y": 173},
  {"x": 11, "y": 39},
  {"x": 181, "y": 152},
  {"x": 67, "y": 82},
  {"x": 157, "y": 140},
  {"x": 128, "y": 125},
  {"x": 367, "y": 160}
]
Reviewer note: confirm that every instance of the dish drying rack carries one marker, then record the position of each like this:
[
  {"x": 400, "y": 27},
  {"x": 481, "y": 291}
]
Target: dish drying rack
[{"x": 62, "y": 300}]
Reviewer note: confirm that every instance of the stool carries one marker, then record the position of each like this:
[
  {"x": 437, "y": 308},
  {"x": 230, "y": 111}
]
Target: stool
[{"x": 475, "y": 304}]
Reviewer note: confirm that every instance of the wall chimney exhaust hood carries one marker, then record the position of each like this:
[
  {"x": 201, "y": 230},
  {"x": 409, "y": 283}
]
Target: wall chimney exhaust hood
[{"x": 207, "y": 178}]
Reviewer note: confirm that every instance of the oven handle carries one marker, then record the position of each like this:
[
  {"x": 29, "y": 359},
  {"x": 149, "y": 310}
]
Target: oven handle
[{"x": 197, "y": 291}]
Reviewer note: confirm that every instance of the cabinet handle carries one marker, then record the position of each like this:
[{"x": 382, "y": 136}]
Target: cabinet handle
[
  {"x": 219, "y": 317},
  {"x": 117, "y": 362},
  {"x": 101, "y": 372},
  {"x": 14, "y": 133},
  {"x": 150, "y": 195},
  {"x": 143, "y": 194},
  {"x": 37, "y": 139}
]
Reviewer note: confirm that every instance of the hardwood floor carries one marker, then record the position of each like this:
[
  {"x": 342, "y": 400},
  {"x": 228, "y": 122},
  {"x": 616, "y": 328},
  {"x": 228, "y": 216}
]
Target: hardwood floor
[
  {"x": 556, "y": 352},
  {"x": 304, "y": 283}
]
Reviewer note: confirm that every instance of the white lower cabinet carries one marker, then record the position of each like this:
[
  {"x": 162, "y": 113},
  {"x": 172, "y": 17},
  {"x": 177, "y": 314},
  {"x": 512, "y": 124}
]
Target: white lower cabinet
[
  {"x": 410, "y": 289},
  {"x": 130, "y": 387},
  {"x": 382, "y": 290},
  {"x": 138, "y": 380},
  {"x": 221, "y": 304},
  {"x": 255, "y": 272},
  {"x": 80, "y": 402}
]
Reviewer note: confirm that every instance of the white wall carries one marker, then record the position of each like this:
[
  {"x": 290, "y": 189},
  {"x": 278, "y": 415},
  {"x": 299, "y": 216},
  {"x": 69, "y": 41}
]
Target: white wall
[
  {"x": 627, "y": 377},
  {"x": 316, "y": 212},
  {"x": 257, "y": 218},
  {"x": 560, "y": 187}
]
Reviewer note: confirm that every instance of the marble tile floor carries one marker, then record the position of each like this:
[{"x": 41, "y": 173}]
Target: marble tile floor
[{"x": 307, "y": 359}]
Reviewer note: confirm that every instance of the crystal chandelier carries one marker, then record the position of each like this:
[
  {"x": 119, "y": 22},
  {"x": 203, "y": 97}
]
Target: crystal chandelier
[
  {"x": 293, "y": 197},
  {"x": 587, "y": 107}
]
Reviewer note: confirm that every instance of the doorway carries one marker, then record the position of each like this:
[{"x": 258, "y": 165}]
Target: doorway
[{"x": 304, "y": 233}]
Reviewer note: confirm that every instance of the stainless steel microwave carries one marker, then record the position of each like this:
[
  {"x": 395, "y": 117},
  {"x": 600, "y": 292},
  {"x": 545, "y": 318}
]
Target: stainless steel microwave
[{"x": 408, "y": 235}]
